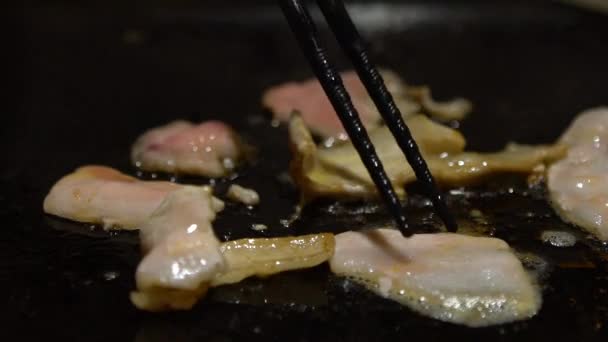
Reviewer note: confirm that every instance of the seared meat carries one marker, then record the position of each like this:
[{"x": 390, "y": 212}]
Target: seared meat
[
  {"x": 475, "y": 281},
  {"x": 578, "y": 184},
  {"x": 338, "y": 171}
]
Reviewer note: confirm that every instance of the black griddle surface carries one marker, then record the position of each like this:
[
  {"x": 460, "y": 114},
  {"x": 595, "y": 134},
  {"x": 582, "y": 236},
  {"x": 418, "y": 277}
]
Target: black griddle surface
[{"x": 93, "y": 76}]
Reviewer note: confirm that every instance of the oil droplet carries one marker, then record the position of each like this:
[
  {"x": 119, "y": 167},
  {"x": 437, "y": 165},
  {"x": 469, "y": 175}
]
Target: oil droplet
[
  {"x": 258, "y": 227},
  {"x": 110, "y": 275}
]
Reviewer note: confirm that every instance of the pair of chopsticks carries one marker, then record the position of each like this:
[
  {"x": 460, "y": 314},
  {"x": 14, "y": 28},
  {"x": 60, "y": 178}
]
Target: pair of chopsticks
[{"x": 351, "y": 42}]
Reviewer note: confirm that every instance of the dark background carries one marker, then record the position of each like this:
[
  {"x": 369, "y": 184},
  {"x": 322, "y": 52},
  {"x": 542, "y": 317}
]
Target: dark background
[
  {"x": 84, "y": 65},
  {"x": 86, "y": 77}
]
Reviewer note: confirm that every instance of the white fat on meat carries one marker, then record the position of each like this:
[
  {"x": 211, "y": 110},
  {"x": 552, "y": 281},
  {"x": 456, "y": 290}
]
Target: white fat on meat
[
  {"x": 182, "y": 253},
  {"x": 474, "y": 281},
  {"x": 210, "y": 149},
  {"x": 102, "y": 195},
  {"x": 578, "y": 184}
]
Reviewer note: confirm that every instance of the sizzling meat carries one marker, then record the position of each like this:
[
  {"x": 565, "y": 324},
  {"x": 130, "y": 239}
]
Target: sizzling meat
[
  {"x": 266, "y": 256},
  {"x": 210, "y": 149},
  {"x": 183, "y": 257},
  {"x": 578, "y": 184},
  {"x": 339, "y": 172},
  {"x": 182, "y": 253},
  {"x": 475, "y": 281},
  {"x": 99, "y": 194}
]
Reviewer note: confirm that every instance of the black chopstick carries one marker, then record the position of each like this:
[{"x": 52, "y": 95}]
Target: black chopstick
[
  {"x": 306, "y": 33},
  {"x": 351, "y": 42}
]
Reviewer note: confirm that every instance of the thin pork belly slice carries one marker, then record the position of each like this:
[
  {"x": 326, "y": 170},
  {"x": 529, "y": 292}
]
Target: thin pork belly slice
[
  {"x": 338, "y": 172},
  {"x": 474, "y": 281},
  {"x": 210, "y": 149},
  {"x": 102, "y": 195},
  {"x": 183, "y": 257},
  {"x": 309, "y": 100},
  {"x": 578, "y": 184},
  {"x": 243, "y": 258}
]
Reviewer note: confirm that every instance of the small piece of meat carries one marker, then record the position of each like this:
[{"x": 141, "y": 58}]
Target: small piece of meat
[
  {"x": 99, "y": 194},
  {"x": 182, "y": 253},
  {"x": 244, "y": 195},
  {"x": 475, "y": 281},
  {"x": 578, "y": 184},
  {"x": 210, "y": 149}
]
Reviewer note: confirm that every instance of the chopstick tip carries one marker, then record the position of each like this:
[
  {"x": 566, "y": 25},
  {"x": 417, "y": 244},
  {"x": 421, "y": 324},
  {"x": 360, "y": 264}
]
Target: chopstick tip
[{"x": 402, "y": 225}]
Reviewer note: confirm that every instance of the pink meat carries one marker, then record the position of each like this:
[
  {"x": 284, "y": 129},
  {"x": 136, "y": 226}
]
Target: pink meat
[
  {"x": 309, "y": 99},
  {"x": 210, "y": 149}
]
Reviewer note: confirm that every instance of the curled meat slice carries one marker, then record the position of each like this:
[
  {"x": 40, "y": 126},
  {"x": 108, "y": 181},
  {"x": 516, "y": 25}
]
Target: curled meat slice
[
  {"x": 578, "y": 184},
  {"x": 266, "y": 256},
  {"x": 210, "y": 149},
  {"x": 309, "y": 100},
  {"x": 339, "y": 172},
  {"x": 183, "y": 257},
  {"x": 475, "y": 281},
  {"x": 99, "y": 194},
  {"x": 242, "y": 259}
]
